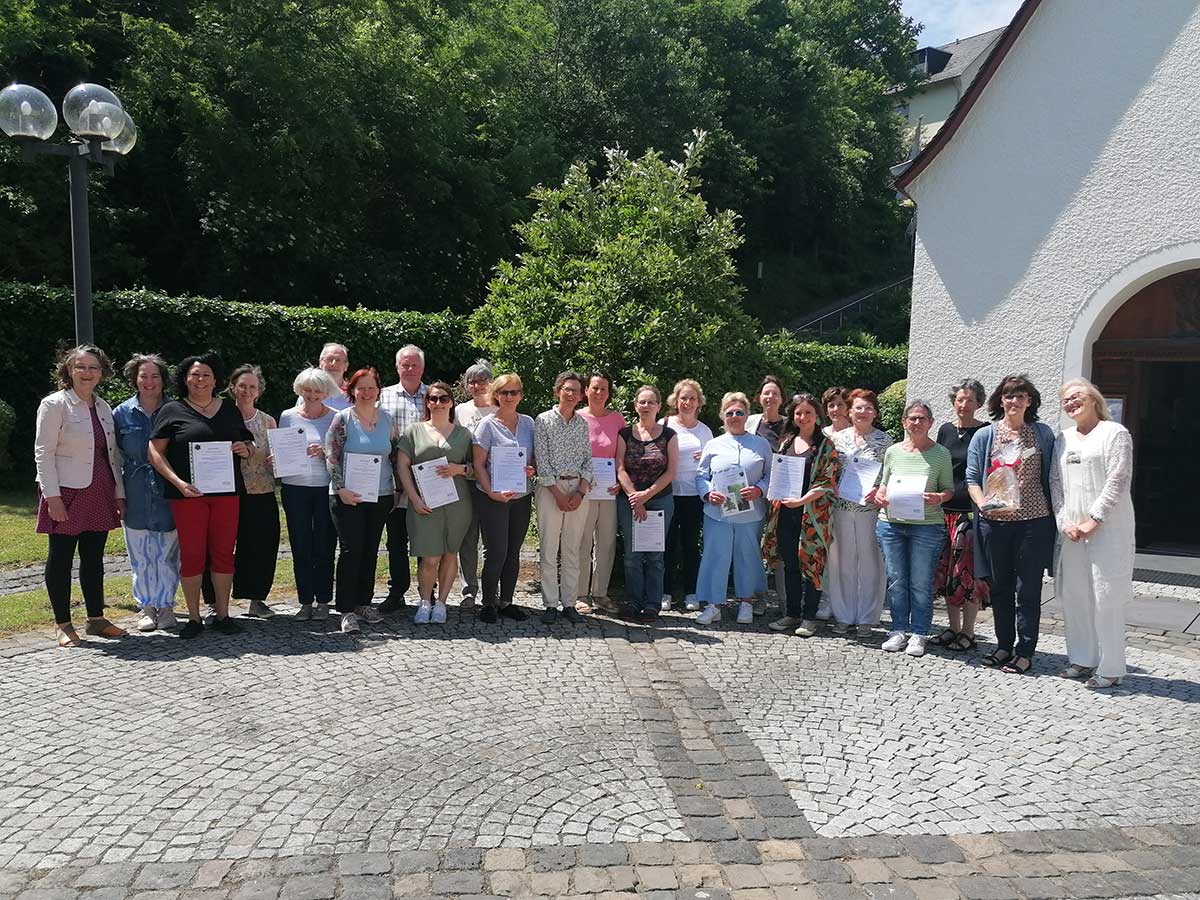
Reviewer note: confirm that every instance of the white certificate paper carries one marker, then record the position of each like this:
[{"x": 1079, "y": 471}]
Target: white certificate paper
[
  {"x": 289, "y": 450},
  {"x": 435, "y": 490},
  {"x": 361, "y": 475},
  {"x": 650, "y": 536},
  {"x": 787, "y": 478},
  {"x": 604, "y": 476},
  {"x": 904, "y": 497},
  {"x": 729, "y": 482},
  {"x": 507, "y": 467},
  {"x": 858, "y": 478},
  {"x": 212, "y": 467}
]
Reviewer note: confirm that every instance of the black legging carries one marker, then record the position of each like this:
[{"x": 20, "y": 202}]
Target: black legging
[
  {"x": 91, "y": 573},
  {"x": 802, "y": 598},
  {"x": 503, "y": 526},
  {"x": 682, "y": 561}
]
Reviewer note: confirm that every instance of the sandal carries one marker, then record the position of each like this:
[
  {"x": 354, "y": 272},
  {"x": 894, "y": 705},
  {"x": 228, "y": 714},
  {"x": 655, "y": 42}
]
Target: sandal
[
  {"x": 1099, "y": 682},
  {"x": 943, "y": 639},
  {"x": 583, "y": 608},
  {"x": 1074, "y": 671},
  {"x": 66, "y": 636},
  {"x": 997, "y": 658},
  {"x": 962, "y": 643},
  {"x": 1015, "y": 667},
  {"x": 103, "y": 628}
]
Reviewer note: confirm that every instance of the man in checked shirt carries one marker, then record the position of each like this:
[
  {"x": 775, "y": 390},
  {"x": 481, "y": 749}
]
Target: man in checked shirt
[{"x": 406, "y": 404}]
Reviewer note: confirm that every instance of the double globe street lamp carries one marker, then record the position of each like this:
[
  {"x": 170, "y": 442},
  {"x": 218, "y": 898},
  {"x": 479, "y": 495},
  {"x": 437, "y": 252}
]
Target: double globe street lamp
[{"x": 102, "y": 132}]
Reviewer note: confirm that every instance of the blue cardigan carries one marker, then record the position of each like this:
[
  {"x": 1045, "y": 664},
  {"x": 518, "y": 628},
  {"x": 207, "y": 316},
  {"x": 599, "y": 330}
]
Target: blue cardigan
[{"x": 978, "y": 455}]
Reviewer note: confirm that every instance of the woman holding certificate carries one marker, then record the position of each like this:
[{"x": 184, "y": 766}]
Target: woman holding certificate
[
  {"x": 305, "y": 492},
  {"x": 732, "y": 478},
  {"x": 358, "y": 453},
  {"x": 917, "y": 478},
  {"x": 257, "y": 545},
  {"x": 682, "y": 560},
  {"x": 598, "y": 548},
  {"x": 1089, "y": 485},
  {"x": 434, "y": 463},
  {"x": 81, "y": 494},
  {"x": 1008, "y": 478},
  {"x": 194, "y": 447},
  {"x": 504, "y": 464},
  {"x": 857, "y": 579},
  {"x": 799, "y": 529},
  {"x": 647, "y": 458}
]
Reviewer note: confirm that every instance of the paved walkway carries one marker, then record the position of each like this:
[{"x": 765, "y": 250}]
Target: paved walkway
[{"x": 595, "y": 760}]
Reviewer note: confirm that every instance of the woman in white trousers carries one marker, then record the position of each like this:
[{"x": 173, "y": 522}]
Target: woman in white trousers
[
  {"x": 1090, "y": 490},
  {"x": 857, "y": 579}
]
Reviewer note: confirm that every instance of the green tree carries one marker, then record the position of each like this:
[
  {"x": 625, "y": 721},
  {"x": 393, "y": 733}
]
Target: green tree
[{"x": 630, "y": 274}]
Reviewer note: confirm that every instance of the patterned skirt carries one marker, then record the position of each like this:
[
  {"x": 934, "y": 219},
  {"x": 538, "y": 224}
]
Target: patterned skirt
[
  {"x": 955, "y": 577},
  {"x": 154, "y": 558}
]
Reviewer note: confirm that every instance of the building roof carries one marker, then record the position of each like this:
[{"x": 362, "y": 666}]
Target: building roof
[
  {"x": 964, "y": 52},
  {"x": 972, "y": 94}
]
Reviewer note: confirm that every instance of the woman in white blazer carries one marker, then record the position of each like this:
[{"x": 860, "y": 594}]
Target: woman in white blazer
[{"x": 81, "y": 493}]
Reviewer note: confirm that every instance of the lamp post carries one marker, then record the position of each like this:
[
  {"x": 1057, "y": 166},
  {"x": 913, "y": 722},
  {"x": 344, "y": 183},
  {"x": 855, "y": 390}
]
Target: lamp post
[{"x": 102, "y": 132}]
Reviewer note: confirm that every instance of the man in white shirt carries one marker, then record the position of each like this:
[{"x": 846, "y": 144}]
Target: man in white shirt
[
  {"x": 335, "y": 359},
  {"x": 405, "y": 402}
]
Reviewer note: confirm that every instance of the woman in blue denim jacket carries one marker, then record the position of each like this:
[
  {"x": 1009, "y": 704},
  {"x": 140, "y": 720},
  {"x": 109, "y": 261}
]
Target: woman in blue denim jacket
[
  {"x": 1008, "y": 478},
  {"x": 149, "y": 527}
]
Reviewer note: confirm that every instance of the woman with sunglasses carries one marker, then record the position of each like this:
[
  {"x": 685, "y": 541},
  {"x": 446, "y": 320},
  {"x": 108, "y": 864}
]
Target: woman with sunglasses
[
  {"x": 732, "y": 479},
  {"x": 435, "y": 535},
  {"x": 1008, "y": 478},
  {"x": 503, "y": 515}
]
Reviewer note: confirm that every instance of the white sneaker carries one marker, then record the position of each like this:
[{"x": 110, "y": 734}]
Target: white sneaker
[
  {"x": 304, "y": 613},
  {"x": 148, "y": 620},
  {"x": 321, "y": 612},
  {"x": 438, "y": 617},
  {"x": 349, "y": 623},
  {"x": 690, "y": 603},
  {"x": 916, "y": 645},
  {"x": 369, "y": 614},
  {"x": 665, "y": 606},
  {"x": 787, "y": 623},
  {"x": 710, "y": 614},
  {"x": 424, "y": 611},
  {"x": 260, "y": 609},
  {"x": 166, "y": 618},
  {"x": 745, "y": 613},
  {"x": 896, "y": 641},
  {"x": 807, "y": 629}
]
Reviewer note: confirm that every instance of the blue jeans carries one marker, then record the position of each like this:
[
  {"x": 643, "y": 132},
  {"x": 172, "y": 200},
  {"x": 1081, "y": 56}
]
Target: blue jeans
[
  {"x": 313, "y": 539},
  {"x": 643, "y": 571},
  {"x": 911, "y": 554}
]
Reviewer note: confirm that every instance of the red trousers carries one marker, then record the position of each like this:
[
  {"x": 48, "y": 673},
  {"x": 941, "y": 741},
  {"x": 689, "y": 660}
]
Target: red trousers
[{"x": 207, "y": 528}]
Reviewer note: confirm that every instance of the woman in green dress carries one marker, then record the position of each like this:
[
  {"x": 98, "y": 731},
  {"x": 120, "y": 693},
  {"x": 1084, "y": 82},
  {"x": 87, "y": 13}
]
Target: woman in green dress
[{"x": 436, "y": 533}]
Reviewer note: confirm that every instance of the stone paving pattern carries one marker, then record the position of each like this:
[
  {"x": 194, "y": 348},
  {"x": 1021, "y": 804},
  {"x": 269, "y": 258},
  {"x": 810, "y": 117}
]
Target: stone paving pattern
[{"x": 594, "y": 760}]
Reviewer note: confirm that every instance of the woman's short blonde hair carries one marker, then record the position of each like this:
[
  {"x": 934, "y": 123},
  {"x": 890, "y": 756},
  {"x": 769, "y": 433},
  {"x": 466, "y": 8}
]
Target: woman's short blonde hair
[
  {"x": 734, "y": 397},
  {"x": 673, "y": 397},
  {"x": 1092, "y": 391},
  {"x": 314, "y": 379},
  {"x": 503, "y": 382}
]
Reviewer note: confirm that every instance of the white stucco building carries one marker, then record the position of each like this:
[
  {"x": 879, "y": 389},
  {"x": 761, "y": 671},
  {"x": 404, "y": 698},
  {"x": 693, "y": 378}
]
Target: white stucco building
[{"x": 1058, "y": 231}]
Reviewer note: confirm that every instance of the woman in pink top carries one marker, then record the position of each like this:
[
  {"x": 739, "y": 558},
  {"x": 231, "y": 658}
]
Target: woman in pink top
[{"x": 600, "y": 527}]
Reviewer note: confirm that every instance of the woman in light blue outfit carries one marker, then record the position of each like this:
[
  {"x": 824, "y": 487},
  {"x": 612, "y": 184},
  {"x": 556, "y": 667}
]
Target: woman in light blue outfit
[
  {"x": 733, "y": 525},
  {"x": 150, "y": 537}
]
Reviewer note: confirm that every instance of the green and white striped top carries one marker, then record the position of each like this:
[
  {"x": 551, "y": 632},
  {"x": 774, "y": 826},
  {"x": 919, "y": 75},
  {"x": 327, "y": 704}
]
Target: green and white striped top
[{"x": 935, "y": 464}]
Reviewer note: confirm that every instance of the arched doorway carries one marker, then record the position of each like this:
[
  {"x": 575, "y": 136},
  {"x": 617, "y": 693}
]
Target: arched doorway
[{"x": 1147, "y": 361}]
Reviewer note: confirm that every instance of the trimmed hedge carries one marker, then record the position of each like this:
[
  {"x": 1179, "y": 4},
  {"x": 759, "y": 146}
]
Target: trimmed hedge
[
  {"x": 284, "y": 339},
  {"x": 891, "y": 408}
]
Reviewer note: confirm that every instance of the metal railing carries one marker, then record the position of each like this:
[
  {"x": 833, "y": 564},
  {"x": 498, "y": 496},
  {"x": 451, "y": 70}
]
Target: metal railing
[{"x": 831, "y": 319}]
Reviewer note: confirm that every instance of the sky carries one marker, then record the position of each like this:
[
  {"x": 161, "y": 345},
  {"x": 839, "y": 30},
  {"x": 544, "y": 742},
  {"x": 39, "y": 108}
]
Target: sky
[{"x": 946, "y": 20}]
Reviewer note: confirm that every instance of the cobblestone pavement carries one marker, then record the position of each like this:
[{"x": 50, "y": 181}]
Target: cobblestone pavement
[{"x": 295, "y": 762}]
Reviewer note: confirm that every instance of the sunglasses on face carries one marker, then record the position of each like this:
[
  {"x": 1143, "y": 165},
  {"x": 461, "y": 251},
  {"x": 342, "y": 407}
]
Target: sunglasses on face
[
  {"x": 1019, "y": 395},
  {"x": 510, "y": 392},
  {"x": 735, "y": 413},
  {"x": 437, "y": 399}
]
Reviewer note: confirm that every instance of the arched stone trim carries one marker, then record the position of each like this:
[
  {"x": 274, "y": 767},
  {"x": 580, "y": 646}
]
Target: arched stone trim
[{"x": 1106, "y": 300}]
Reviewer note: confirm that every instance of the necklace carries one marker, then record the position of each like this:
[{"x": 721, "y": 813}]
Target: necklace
[{"x": 203, "y": 410}]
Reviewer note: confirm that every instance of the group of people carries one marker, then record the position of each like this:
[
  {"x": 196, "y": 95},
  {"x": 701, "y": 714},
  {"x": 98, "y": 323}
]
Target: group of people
[{"x": 970, "y": 514}]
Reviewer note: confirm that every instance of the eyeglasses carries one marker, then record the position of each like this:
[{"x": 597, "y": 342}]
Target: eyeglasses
[
  {"x": 568, "y": 390},
  {"x": 916, "y": 419},
  {"x": 734, "y": 413},
  {"x": 1016, "y": 395},
  {"x": 437, "y": 398},
  {"x": 1074, "y": 398},
  {"x": 479, "y": 381},
  {"x": 80, "y": 367},
  {"x": 511, "y": 392}
]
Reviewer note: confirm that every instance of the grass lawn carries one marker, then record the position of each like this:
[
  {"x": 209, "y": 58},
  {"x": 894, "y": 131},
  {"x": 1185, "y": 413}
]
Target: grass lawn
[{"x": 20, "y": 544}]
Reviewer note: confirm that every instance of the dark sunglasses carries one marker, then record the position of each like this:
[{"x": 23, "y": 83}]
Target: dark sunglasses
[
  {"x": 438, "y": 398},
  {"x": 510, "y": 392}
]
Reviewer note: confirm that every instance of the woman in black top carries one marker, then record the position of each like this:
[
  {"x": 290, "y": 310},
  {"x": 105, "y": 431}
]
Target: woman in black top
[
  {"x": 207, "y": 522},
  {"x": 955, "y": 580}
]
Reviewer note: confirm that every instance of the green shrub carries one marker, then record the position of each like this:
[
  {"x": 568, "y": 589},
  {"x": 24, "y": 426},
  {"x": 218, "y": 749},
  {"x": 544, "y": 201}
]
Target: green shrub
[
  {"x": 280, "y": 339},
  {"x": 812, "y": 366},
  {"x": 8, "y": 418},
  {"x": 891, "y": 408}
]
